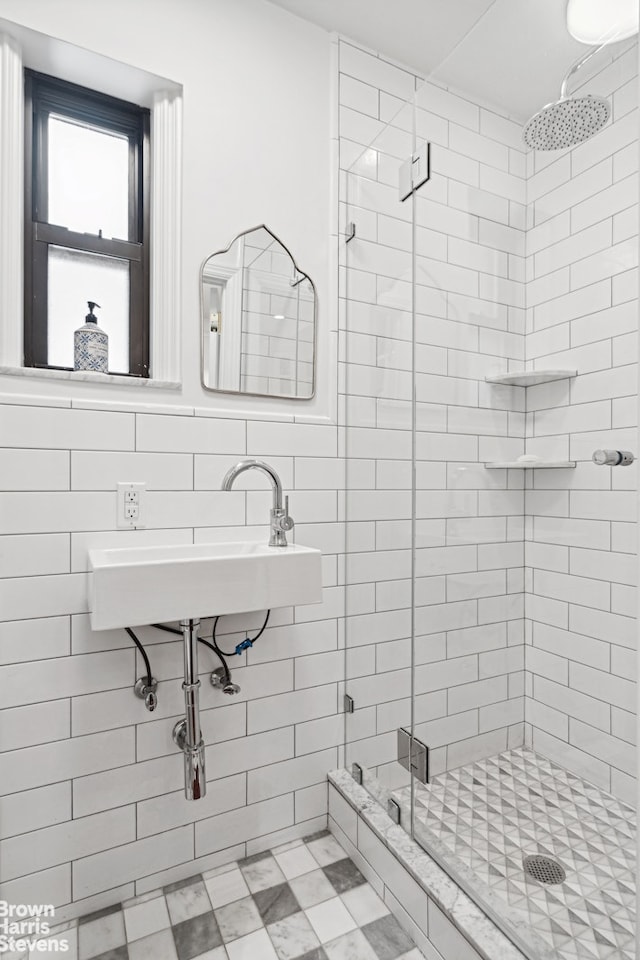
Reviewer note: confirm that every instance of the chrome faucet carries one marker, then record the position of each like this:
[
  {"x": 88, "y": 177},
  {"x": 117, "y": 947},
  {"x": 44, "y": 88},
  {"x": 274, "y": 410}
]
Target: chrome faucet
[{"x": 279, "y": 517}]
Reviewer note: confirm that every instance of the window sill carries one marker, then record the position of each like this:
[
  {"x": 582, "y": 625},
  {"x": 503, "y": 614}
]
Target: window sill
[{"x": 86, "y": 376}]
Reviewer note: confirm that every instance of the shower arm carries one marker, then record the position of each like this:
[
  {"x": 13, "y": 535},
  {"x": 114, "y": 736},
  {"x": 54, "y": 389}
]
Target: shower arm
[{"x": 580, "y": 63}]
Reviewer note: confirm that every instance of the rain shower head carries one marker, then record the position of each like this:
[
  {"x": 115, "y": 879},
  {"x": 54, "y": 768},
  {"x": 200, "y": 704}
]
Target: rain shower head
[{"x": 566, "y": 122}]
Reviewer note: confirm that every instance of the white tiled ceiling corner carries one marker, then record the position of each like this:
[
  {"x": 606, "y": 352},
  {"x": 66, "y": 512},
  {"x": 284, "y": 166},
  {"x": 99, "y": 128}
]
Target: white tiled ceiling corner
[{"x": 509, "y": 53}]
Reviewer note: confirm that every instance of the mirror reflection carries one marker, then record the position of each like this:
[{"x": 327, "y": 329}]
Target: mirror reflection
[{"x": 258, "y": 320}]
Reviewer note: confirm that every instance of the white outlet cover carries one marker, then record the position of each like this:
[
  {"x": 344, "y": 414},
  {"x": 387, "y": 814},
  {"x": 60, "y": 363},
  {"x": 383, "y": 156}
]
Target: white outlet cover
[{"x": 127, "y": 487}]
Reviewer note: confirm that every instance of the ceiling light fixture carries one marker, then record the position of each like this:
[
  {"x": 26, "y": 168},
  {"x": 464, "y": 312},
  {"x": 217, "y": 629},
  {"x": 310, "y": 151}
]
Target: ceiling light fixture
[{"x": 602, "y": 21}]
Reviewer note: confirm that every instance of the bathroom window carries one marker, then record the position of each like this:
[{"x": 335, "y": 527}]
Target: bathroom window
[{"x": 86, "y": 223}]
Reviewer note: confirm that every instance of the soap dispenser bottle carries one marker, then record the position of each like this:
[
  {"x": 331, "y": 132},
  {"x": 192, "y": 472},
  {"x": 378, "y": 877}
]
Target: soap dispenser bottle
[{"x": 91, "y": 345}]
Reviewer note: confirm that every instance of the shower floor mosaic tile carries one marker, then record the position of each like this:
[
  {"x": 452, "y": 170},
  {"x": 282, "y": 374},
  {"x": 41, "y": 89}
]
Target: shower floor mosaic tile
[
  {"x": 305, "y": 900},
  {"x": 492, "y": 814}
]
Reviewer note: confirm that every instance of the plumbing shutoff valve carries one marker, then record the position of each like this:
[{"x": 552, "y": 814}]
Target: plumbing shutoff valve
[
  {"x": 147, "y": 691},
  {"x": 221, "y": 681}
]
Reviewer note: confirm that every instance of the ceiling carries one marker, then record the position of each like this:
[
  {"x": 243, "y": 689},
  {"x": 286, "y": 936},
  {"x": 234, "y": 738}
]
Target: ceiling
[{"x": 509, "y": 53}]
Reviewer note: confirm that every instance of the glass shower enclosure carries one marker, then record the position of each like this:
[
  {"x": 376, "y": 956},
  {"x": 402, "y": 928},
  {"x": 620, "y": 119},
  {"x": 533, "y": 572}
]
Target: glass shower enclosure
[{"x": 488, "y": 297}]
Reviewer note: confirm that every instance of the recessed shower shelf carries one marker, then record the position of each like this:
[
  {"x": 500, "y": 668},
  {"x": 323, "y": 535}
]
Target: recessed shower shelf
[
  {"x": 531, "y": 378},
  {"x": 532, "y": 465}
]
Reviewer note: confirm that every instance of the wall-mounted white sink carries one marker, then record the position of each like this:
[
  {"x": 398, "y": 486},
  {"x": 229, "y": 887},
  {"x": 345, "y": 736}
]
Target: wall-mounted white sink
[{"x": 140, "y": 585}]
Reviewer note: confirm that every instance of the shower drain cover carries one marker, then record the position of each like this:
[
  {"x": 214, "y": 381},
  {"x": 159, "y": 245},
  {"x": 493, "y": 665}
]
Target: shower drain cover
[{"x": 544, "y": 869}]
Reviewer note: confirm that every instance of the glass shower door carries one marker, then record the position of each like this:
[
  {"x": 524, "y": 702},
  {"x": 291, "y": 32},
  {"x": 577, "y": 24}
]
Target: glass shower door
[{"x": 376, "y": 302}]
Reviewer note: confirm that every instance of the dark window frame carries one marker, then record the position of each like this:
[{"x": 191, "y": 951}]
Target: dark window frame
[{"x": 46, "y": 95}]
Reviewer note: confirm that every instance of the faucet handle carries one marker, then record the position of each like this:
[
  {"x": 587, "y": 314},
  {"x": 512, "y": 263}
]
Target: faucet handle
[
  {"x": 286, "y": 522},
  {"x": 283, "y": 521}
]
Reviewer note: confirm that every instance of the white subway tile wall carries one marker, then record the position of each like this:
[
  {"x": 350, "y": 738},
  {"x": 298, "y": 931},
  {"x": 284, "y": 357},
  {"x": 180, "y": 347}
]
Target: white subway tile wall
[
  {"x": 92, "y": 808},
  {"x": 581, "y": 550}
]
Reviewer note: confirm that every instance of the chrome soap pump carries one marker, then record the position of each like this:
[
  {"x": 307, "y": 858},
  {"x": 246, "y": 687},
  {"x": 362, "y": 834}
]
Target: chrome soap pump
[{"x": 91, "y": 344}]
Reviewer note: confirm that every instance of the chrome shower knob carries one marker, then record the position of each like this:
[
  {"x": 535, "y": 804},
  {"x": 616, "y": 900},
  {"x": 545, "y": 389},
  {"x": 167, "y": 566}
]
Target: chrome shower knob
[{"x": 613, "y": 458}]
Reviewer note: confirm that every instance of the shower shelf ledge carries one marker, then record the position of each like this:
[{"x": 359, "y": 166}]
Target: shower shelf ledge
[
  {"x": 531, "y": 378},
  {"x": 532, "y": 465}
]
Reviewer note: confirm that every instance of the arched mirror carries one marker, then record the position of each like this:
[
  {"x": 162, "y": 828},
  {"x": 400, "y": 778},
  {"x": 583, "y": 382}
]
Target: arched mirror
[{"x": 258, "y": 320}]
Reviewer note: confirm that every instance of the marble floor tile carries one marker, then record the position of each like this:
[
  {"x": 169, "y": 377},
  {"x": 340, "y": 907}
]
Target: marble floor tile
[
  {"x": 296, "y": 862},
  {"x": 218, "y": 953},
  {"x": 364, "y": 904},
  {"x": 216, "y": 916},
  {"x": 196, "y": 935},
  {"x": 101, "y": 934},
  {"x": 120, "y": 953},
  {"x": 160, "y": 944},
  {"x": 344, "y": 875},
  {"x": 255, "y": 946},
  {"x": 312, "y": 888},
  {"x": 276, "y": 903},
  {"x": 350, "y": 946},
  {"x": 238, "y": 918},
  {"x": 226, "y": 888},
  {"x": 293, "y": 937},
  {"x": 186, "y": 899},
  {"x": 262, "y": 874},
  {"x": 330, "y": 919},
  {"x": 145, "y": 918},
  {"x": 325, "y": 850},
  {"x": 388, "y": 939},
  {"x": 69, "y": 934}
]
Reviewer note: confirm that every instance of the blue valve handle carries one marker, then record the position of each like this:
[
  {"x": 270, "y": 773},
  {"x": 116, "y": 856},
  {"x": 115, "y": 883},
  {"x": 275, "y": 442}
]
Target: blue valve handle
[{"x": 241, "y": 647}]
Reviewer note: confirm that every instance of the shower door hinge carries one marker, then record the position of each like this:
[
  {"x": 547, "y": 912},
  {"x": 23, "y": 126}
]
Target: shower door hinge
[
  {"x": 356, "y": 773},
  {"x": 415, "y": 171},
  {"x": 413, "y": 755},
  {"x": 393, "y": 809},
  {"x": 349, "y": 704}
]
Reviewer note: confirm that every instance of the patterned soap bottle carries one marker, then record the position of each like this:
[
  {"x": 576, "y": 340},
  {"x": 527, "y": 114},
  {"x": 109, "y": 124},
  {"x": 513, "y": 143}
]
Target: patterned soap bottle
[{"x": 91, "y": 345}]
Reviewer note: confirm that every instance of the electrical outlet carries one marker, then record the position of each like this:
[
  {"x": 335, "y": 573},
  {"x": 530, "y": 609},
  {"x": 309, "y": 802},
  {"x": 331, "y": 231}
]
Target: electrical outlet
[{"x": 130, "y": 505}]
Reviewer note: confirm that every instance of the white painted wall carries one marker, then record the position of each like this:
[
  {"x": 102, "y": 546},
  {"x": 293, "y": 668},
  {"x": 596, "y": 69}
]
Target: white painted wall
[{"x": 257, "y": 145}]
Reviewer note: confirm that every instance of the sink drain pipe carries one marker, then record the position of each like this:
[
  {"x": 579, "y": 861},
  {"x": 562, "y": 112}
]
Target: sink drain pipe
[{"x": 186, "y": 733}]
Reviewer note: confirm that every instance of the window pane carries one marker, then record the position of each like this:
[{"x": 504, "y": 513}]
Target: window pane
[
  {"x": 88, "y": 179},
  {"x": 75, "y": 278}
]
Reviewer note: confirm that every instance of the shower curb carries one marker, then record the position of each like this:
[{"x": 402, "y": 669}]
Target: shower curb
[{"x": 431, "y": 906}]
